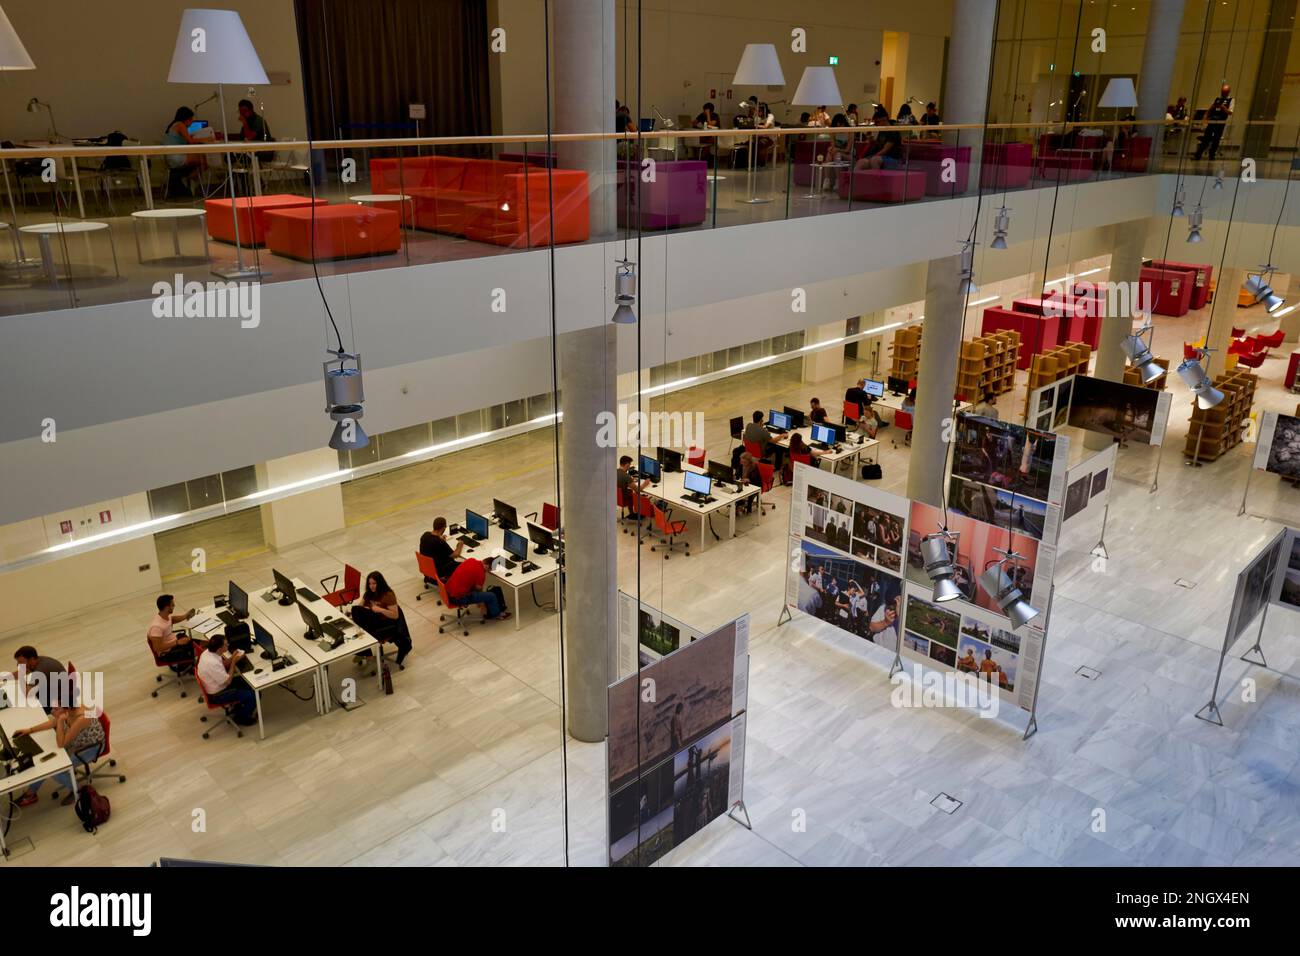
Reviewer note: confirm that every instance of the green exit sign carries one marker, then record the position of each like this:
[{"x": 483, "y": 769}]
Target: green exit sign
[{"x": 833, "y": 60}]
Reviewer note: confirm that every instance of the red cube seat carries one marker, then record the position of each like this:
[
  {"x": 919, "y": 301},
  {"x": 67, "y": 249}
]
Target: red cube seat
[
  {"x": 882, "y": 185},
  {"x": 345, "y": 231},
  {"x": 252, "y": 212}
]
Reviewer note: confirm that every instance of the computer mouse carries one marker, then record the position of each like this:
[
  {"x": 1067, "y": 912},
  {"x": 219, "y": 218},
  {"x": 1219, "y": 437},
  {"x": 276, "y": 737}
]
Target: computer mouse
[
  {"x": 509, "y": 574},
  {"x": 257, "y": 670}
]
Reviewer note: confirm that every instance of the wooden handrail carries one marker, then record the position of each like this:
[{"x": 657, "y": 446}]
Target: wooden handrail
[{"x": 65, "y": 150}]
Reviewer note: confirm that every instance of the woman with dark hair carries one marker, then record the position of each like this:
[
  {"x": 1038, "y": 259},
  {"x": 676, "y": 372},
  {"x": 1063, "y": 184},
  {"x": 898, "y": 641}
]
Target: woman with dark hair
[
  {"x": 182, "y": 167},
  {"x": 379, "y": 614}
]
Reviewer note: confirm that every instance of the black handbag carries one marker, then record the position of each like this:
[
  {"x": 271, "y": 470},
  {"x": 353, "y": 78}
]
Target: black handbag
[{"x": 872, "y": 472}]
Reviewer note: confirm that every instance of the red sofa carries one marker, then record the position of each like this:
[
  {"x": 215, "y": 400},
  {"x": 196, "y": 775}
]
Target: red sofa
[
  {"x": 928, "y": 157},
  {"x": 1006, "y": 166},
  {"x": 252, "y": 216},
  {"x": 881, "y": 185},
  {"x": 1134, "y": 157},
  {"x": 488, "y": 200},
  {"x": 346, "y": 231}
]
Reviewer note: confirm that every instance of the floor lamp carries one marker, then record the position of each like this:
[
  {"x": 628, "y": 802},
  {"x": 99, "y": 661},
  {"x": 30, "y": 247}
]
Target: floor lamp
[
  {"x": 212, "y": 46},
  {"x": 13, "y": 56},
  {"x": 817, "y": 87},
  {"x": 759, "y": 66},
  {"x": 1119, "y": 95}
]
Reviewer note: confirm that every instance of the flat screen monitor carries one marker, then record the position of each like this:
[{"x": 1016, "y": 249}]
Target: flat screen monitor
[
  {"x": 198, "y": 125},
  {"x": 505, "y": 513},
  {"x": 796, "y": 416},
  {"x": 238, "y": 600},
  {"x": 543, "y": 540},
  {"x": 721, "y": 471},
  {"x": 649, "y": 468},
  {"x": 873, "y": 388},
  {"x": 841, "y": 433},
  {"x": 897, "y": 385},
  {"x": 669, "y": 459},
  {"x": 264, "y": 640},
  {"x": 476, "y": 524},
  {"x": 311, "y": 620},
  {"x": 778, "y": 419},
  {"x": 647, "y": 124},
  {"x": 282, "y": 584},
  {"x": 697, "y": 483},
  {"x": 824, "y": 434},
  {"x": 517, "y": 545}
]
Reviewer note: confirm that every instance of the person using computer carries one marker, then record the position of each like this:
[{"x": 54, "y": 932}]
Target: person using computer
[
  {"x": 908, "y": 404},
  {"x": 857, "y": 393},
  {"x": 466, "y": 587},
  {"x": 818, "y": 414},
  {"x": 77, "y": 732},
  {"x": 182, "y": 168},
  {"x": 799, "y": 447},
  {"x": 628, "y": 484},
  {"x": 216, "y": 672},
  {"x": 379, "y": 615},
  {"x": 433, "y": 544},
  {"x": 167, "y": 645},
  {"x": 42, "y": 675}
]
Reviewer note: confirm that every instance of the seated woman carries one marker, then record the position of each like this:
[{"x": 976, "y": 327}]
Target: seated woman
[
  {"x": 842, "y": 144},
  {"x": 81, "y": 735},
  {"x": 379, "y": 614},
  {"x": 182, "y": 168},
  {"x": 799, "y": 447}
]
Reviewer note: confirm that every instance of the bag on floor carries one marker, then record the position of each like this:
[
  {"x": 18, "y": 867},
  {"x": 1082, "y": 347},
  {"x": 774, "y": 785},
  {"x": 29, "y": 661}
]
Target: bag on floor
[
  {"x": 388, "y": 679},
  {"x": 92, "y": 808},
  {"x": 872, "y": 472}
]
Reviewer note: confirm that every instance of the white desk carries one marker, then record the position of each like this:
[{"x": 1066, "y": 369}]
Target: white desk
[
  {"x": 895, "y": 403},
  {"x": 548, "y": 568},
  {"x": 289, "y": 624},
  {"x": 845, "y": 459},
  {"x": 28, "y": 714},
  {"x": 672, "y": 486}
]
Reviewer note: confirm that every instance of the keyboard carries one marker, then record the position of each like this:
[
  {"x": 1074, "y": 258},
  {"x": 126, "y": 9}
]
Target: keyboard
[
  {"x": 774, "y": 430},
  {"x": 228, "y": 618},
  {"x": 509, "y": 564},
  {"x": 243, "y": 665},
  {"x": 467, "y": 541},
  {"x": 331, "y": 629},
  {"x": 308, "y": 594},
  {"x": 700, "y": 502}
]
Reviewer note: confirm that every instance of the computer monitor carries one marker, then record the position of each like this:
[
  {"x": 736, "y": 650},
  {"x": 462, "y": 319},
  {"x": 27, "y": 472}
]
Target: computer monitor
[
  {"x": 506, "y": 516},
  {"x": 649, "y": 468},
  {"x": 238, "y": 600},
  {"x": 669, "y": 459},
  {"x": 824, "y": 434},
  {"x": 737, "y": 426},
  {"x": 720, "y": 471},
  {"x": 841, "y": 432},
  {"x": 873, "y": 388},
  {"x": 197, "y": 125},
  {"x": 311, "y": 620},
  {"x": 543, "y": 539},
  {"x": 697, "y": 483},
  {"x": 264, "y": 641},
  {"x": 517, "y": 545},
  {"x": 476, "y": 524},
  {"x": 897, "y": 385},
  {"x": 796, "y": 416},
  {"x": 647, "y": 124},
  {"x": 284, "y": 585}
]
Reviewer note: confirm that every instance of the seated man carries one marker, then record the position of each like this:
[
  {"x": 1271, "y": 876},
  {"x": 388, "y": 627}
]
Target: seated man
[
  {"x": 886, "y": 149},
  {"x": 818, "y": 414},
  {"x": 756, "y": 433},
  {"x": 216, "y": 672},
  {"x": 45, "y": 677},
  {"x": 167, "y": 645},
  {"x": 466, "y": 587},
  {"x": 433, "y": 544}
]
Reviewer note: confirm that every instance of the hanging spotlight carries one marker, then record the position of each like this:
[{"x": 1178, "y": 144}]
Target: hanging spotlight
[
  {"x": 1178, "y": 201},
  {"x": 344, "y": 396},
  {"x": 624, "y": 293},
  {"x": 999, "y": 586},
  {"x": 939, "y": 566},
  {"x": 1139, "y": 356},
  {"x": 1218, "y": 179},
  {"x": 1194, "y": 224},
  {"x": 967, "y": 284},
  {"x": 1001, "y": 223},
  {"x": 1257, "y": 285},
  {"x": 1190, "y": 371}
]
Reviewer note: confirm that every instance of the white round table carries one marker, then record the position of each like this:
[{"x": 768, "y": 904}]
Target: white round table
[
  {"x": 370, "y": 199},
  {"x": 43, "y": 230},
  {"x": 175, "y": 215}
]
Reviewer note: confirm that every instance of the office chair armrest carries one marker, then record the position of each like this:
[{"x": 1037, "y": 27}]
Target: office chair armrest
[
  {"x": 531, "y": 514},
  {"x": 79, "y": 755},
  {"x": 329, "y": 588}
]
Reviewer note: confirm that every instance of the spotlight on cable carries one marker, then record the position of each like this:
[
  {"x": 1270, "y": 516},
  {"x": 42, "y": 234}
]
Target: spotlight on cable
[
  {"x": 1257, "y": 285},
  {"x": 1178, "y": 202},
  {"x": 939, "y": 566},
  {"x": 1001, "y": 223},
  {"x": 344, "y": 396},
  {"x": 1139, "y": 356},
  {"x": 1190, "y": 371},
  {"x": 999, "y": 586},
  {"x": 967, "y": 284},
  {"x": 1218, "y": 179},
  {"x": 1194, "y": 224},
  {"x": 624, "y": 293}
]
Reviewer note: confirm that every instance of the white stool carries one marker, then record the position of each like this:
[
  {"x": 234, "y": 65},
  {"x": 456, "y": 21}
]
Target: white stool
[{"x": 43, "y": 230}]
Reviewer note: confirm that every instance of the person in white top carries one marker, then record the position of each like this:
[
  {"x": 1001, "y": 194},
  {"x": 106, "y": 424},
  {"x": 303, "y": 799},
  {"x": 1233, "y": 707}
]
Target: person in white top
[{"x": 216, "y": 672}]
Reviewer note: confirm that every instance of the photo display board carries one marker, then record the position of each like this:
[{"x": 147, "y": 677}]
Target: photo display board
[
  {"x": 1257, "y": 584},
  {"x": 1087, "y": 485},
  {"x": 1278, "y": 450},
  {"x": 1116, "y": 409},
  {"x": 1288, "y": 587},
  {"x": 675, "y": 753},
  {"x": 646, "y": 634}
]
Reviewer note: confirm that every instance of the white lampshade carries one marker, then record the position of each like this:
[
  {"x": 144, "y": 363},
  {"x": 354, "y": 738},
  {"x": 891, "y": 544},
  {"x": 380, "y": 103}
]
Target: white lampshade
[
  {"x": 759, "y": 66},
  {"x": 13, "y": 55},
  {"x": 227, "y": 54},
  {"x": 1119, "y": 94},
  {"x": 817, "y": 87}
]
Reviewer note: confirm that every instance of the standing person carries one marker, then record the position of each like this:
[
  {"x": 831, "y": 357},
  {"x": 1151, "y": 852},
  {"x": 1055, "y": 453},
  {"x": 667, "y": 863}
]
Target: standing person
[
  {"x": 80, "y": 734},
  {"x": 379, "y": 614},
  {"x": 166, "y": 644},
  {"x": 182, "y": 168},
  {"x": 216, "y": 672},
  {"x": 987, "y": 407},
  {"x": 45, "y": 677},
  {"x": 466, "y": 587},
  {"x": 1217, "y": 115},
  {"x": 886, "y": 149},
  {"x": 433, "y": 544}
]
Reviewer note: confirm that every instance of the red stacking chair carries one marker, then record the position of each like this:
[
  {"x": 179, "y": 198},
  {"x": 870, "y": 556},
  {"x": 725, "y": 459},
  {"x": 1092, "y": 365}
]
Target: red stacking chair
[
  {"x": 766, "y": 474},
  {"x": 669, "y": 529},
  {"x": 462, "y": 610},
  {"x": 754, "y": 449},
  {"x": 904, "y": 420},
  {"x": 224, "y": 708},
  {"x": 104, "y": 755},
  {"x": 1239, "y": 347},
  {"x": 1253, "y": 361},
  {"x": 1190, "y": 351},
  {"x": 1270, "y": 341},
  {"x": 696, "y": 456},
  {"x": 350, "y": 591},
  {"x": 180, "y": 670},
  {"x": 852, "y": 412},
  {"x": 1237, "y": 333},
  {"x": 626, "y": 503},
  {"x": 550, "y": 519},
  {"x": 429, "y": 571}
]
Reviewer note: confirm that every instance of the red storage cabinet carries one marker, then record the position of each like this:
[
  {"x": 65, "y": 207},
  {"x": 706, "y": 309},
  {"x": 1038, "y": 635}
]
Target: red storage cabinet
[
  {"x": 1038, "y": 333},
  {"x": 1170, "y": 290},
  {"x": 1203, "y": 274}
]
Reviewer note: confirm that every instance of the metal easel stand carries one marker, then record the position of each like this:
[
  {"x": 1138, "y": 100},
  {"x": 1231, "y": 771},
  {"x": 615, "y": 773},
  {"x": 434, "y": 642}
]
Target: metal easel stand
[
  {"x": 1031, "y": 727},
  {"x": 1099, "y": 549},
  {"x": 1256, "y": 649},
  {"x": 240, "y": 271},
  {"x": 1250, "y": 471},
  {"x": 740, "y": 805},
  {"x": 1195, "y": 460},
  {"x": 1155, "y": 478}
]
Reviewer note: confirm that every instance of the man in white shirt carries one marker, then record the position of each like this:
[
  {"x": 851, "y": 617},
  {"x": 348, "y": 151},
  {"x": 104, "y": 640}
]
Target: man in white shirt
[{"x": 216, "y": 672}]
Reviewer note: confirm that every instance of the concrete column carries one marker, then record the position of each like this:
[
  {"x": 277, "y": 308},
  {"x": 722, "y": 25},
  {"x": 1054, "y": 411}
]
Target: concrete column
[
  {"x": 966, "y": 86},
  {"x": 936, "y": 381},
  {"x": 582, "y": 66},
  {"x": 1224, "y": 313},
  {"x": 1158, "y": 52},
  {"x": 587, "y": 382},
  {"x": 1270, "y": 78},
  {"x": 824, "y": 363},
  {"x": 1109, "y": 360},
  {"x": 304, "y": 516}
]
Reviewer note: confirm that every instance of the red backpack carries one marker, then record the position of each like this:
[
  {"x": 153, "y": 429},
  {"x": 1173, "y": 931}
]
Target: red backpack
[{"x": 92, "y": 808}]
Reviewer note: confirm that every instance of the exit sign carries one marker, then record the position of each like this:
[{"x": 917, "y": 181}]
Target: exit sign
[{"x": 833, "y": 60}]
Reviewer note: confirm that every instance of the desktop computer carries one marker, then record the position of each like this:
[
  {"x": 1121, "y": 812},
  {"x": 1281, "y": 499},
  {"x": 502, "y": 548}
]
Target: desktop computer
[
  {"x": 720, "y": 472},
  {"x": 670, "y": 460},
  {"x": 795, "y": 415},
  {"x": 649, "y": 468},
  {"x": 823, "y": 436},
  {"x": 284, "y": 586},
  {"x": 778, "y": 422},
  {"x": 265, "y": 641},
  {"x": 542, "y": 538},
  {"x": 506, "y": 516},
  {"x": 237, "y": 610},
  {"x": 477, "y": 526},
  {"x": 697, "y": 487},
  {"x": 516, "y": 546},
  {"x": 873, "y": 388},
  {"x": 897, "y": 385}
]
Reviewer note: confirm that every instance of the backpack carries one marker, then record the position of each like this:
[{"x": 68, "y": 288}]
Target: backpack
[
  {"x": 92, "y": 808},
  {"x": 871, "y": 472}
]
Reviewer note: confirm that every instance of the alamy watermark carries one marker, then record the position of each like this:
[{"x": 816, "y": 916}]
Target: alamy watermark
[
  {"x": 628, "y": 429},
  {"x": 208, "y": 300},
  {"x": 1101, "y": 299},
  {"x": 928, "y": 688}
]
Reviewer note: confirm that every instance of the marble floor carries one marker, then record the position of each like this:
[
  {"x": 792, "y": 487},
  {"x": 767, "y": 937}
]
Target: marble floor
[{"x": 466, "y": 763}]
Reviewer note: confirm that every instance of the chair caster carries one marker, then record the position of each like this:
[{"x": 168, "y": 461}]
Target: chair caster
[
  {"x": 204, "y": 718},
  {"x": 182, "y": 695},
  {"x": 158, "y": 678},
  {"x": 121, "y": 778},
  {"x": 154, "y": 694},
  {"x": 112, "y": 763},
  {"x": 206, "y": 735},
  {"x": 239, "y": 733}
]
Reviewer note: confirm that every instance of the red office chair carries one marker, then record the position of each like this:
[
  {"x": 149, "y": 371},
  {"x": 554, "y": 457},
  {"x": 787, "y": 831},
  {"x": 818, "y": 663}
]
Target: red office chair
[
  {"x": 626, "y": 502},
  {"x": 669, "y": 529},
  {"x": 852, "y": 412},
  {"x": 179, "y": 670},
  {"x": 696, "y": 456},
  {"x": 462, "y": 610},
  {"x": 645, "y": 509},
  {"x": 1270, "y": 341},
  {"x": 1190, "y": 351},
  {"x": 755, "y": 449},
  {"x": 1253, "y": 361},
  {"x": 1237, "y": 333},
  {"x": 98, "y": 762},
  {"x": 428, "y": 571},
  {"x": 350, "y": 591},
  {"x": 224, "y": 708},
  {"x": 766, "y": 474},
  {"x": 550, "y": 519},
  {"x": 903, "y": 420},
  {"x": 1241, "y": 347}
]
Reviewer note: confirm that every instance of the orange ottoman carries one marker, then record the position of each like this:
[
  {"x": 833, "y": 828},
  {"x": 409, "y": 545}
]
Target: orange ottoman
[
  {"x": 342, "y": 232},
  {"x": 252, "y": 227}
]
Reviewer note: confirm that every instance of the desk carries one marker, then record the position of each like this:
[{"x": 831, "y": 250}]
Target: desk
[
  {"x": 819, "y": 185},
  {"x": 548, "y": 567},
  {"x": 671, "y": 487},
  {"x": 28, "y": 714},
  {"x": 175, "y": 215},
  {"x": 43, "y": 231},
  {"x": 849, "y": 454},
  {"x": 289, "y": 624},
  {"x": 372, "y": 199}
]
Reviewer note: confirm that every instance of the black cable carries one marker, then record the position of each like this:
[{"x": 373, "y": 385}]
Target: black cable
[
  {"x": 634, "y": 174},
  {"x": 286, "y": 688}
]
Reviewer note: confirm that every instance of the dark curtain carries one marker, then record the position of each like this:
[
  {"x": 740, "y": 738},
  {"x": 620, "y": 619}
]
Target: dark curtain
[{"x": 365, "y": 61}]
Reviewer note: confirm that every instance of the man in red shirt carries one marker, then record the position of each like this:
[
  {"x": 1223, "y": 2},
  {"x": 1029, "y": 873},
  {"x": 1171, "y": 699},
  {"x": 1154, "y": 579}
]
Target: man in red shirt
[{"x": 465, "y": 586}]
